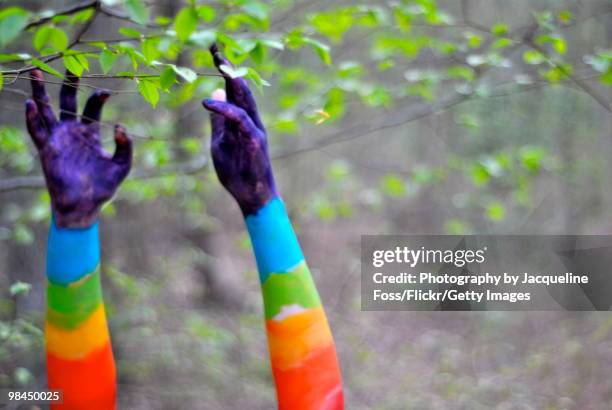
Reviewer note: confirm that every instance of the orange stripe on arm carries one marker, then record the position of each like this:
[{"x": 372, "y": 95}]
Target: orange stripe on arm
[
  {"x": 304, "y": 362},
  {"x": 86, "y": 383}
]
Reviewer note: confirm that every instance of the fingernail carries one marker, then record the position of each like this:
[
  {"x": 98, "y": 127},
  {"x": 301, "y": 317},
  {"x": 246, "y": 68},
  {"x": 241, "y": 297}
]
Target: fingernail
[
  {"x": 219, "y": 95},
  {"x": 120, "y": 134},
  {"x": 102, "y": 94}
]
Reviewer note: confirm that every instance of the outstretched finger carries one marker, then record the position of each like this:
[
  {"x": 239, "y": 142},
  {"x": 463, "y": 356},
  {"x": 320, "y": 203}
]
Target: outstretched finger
[
  {"x": 41, "y": 98},
  {"x": 35, "y": 125},
  {"x": 123, "y": 148},
  {"x": 68, "y": 97},
  {"x": 233, "y": 113},
  {"x": 93, "y": 108},
  {"x": 238, "y": 91}
]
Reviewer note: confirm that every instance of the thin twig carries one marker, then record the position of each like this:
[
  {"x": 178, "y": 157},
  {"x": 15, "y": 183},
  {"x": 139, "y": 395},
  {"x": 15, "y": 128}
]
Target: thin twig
[
  {"x": 118, "y": 15},
  {"x": 194, "y": 166},
  {"x": 72, "y": 10}
]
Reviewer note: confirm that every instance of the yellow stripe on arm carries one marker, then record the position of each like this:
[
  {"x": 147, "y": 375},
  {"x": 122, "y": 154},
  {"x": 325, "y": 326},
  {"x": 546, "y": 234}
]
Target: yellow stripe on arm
[
  {"x": 78, "y": 342},
  {"x": 295, "y": 337}
]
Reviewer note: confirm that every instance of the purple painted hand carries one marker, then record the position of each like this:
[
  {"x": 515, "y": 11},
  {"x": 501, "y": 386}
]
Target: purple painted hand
[
  {"x": 239, "y": 147},
  {"x": 80, "y": 175}
]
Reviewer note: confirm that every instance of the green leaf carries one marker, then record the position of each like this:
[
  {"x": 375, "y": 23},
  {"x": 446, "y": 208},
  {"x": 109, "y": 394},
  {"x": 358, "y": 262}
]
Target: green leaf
[
  {"x": 456, "y": 227},
  {"x": 204, "y": 38},
  {"x": 14, "y": 56},
  {"x": 206, "y": 13},
  {"x": 394, "y": 186},
  {"x": 129, "y": 32},
  {"x": 150, "y": 50},
  {"x": 107, "y": 60},
  {"x": 501, "y": 43},
  {"x": 601, "y": 61},
  {"x": 186, "y": 73},
  {"x": 606, "y": 78},
  {"x": 499, "y": 29},
  {"x": 333, "y": 24},
  {"x": 256, "y": 10},
  {"x": 167, "y": 78},
  {"x": 12, "y": 21},
  {"x": 533, "y": 57},
  {"x": 137, "y": 10},
  {"x": 1, "y": 80},
  {"x": 480, "y": 174},
  {"x": 163, "y": 20},
  {"x": 76, "y": 64},
  {"x": 234, "y": 72},
  {"x": 335, "y": 103},
  {"x": 52, "y": 36},
  {"x": 272, "y": 43},
  {"x": 338, "y": 170},
  {"x": 565, "y": 16},
  {"x": 532, "y": 157},
  {"x": 254, "y": 76},
  {"x": 148, "y": 89},
  {"x": 82, "y": 16},
  {"x": 186, "y": 22},
  {"x": 191, "y": 145},
  {"x": 19, "y": 287},
  {"x": 99, "y": 44},
  {"x": 558, "y": 43},
  {"x": 496, "y": 211},
  {"x": 46, "y": 67},
  {"x": 473, "y": 40},
  {"x": 377, "y": 97},
  {"x": 324, "y": 209},
  {"x": 82, "y": 59},
  {"x": 23, "y": 234},
  {"x": 463, "y": 72},
  {"x": 558, "y": 73},
  {"x": 321, "y": 49}
]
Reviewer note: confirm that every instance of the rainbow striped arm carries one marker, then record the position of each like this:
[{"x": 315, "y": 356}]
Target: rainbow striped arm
[
  {"x": 302, "y": 352},
  {"x": 79, "y": 356}
]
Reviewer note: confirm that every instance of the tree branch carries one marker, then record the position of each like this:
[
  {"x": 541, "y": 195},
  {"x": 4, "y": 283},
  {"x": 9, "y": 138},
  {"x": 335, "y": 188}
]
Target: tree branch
[
  {"x": 118, "y": 15},
  {"x": 34, "y": 182},
  {"x": 580, "y": 83},
  {"x": 72, "y": 10},
  {"x": 362, "y": 130}
]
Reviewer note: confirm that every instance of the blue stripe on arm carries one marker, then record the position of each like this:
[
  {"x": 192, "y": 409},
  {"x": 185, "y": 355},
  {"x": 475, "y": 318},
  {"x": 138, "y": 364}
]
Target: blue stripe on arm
[
  {"x": 274, "y": 242},
  {"x": 72, "y": 253}
]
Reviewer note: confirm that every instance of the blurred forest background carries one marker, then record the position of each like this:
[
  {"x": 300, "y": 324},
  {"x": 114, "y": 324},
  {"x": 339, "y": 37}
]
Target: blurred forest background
[{"x": 407, "y": 116}]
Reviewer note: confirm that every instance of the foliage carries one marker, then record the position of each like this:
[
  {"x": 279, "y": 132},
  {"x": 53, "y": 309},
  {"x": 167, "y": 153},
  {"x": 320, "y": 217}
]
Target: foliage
[{"x": 397, "y": 103}]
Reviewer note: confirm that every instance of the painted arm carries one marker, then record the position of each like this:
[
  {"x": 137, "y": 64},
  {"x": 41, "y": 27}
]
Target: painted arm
[
  {"x": 80, "y": 177},
  {"x": 302, "y": 352}
]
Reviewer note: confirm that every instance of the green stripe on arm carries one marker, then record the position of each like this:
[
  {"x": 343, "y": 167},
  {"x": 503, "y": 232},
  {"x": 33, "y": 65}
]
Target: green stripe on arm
[
  {"x": 290, "y": 288},
  {"x": 69, "y": 306}
]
